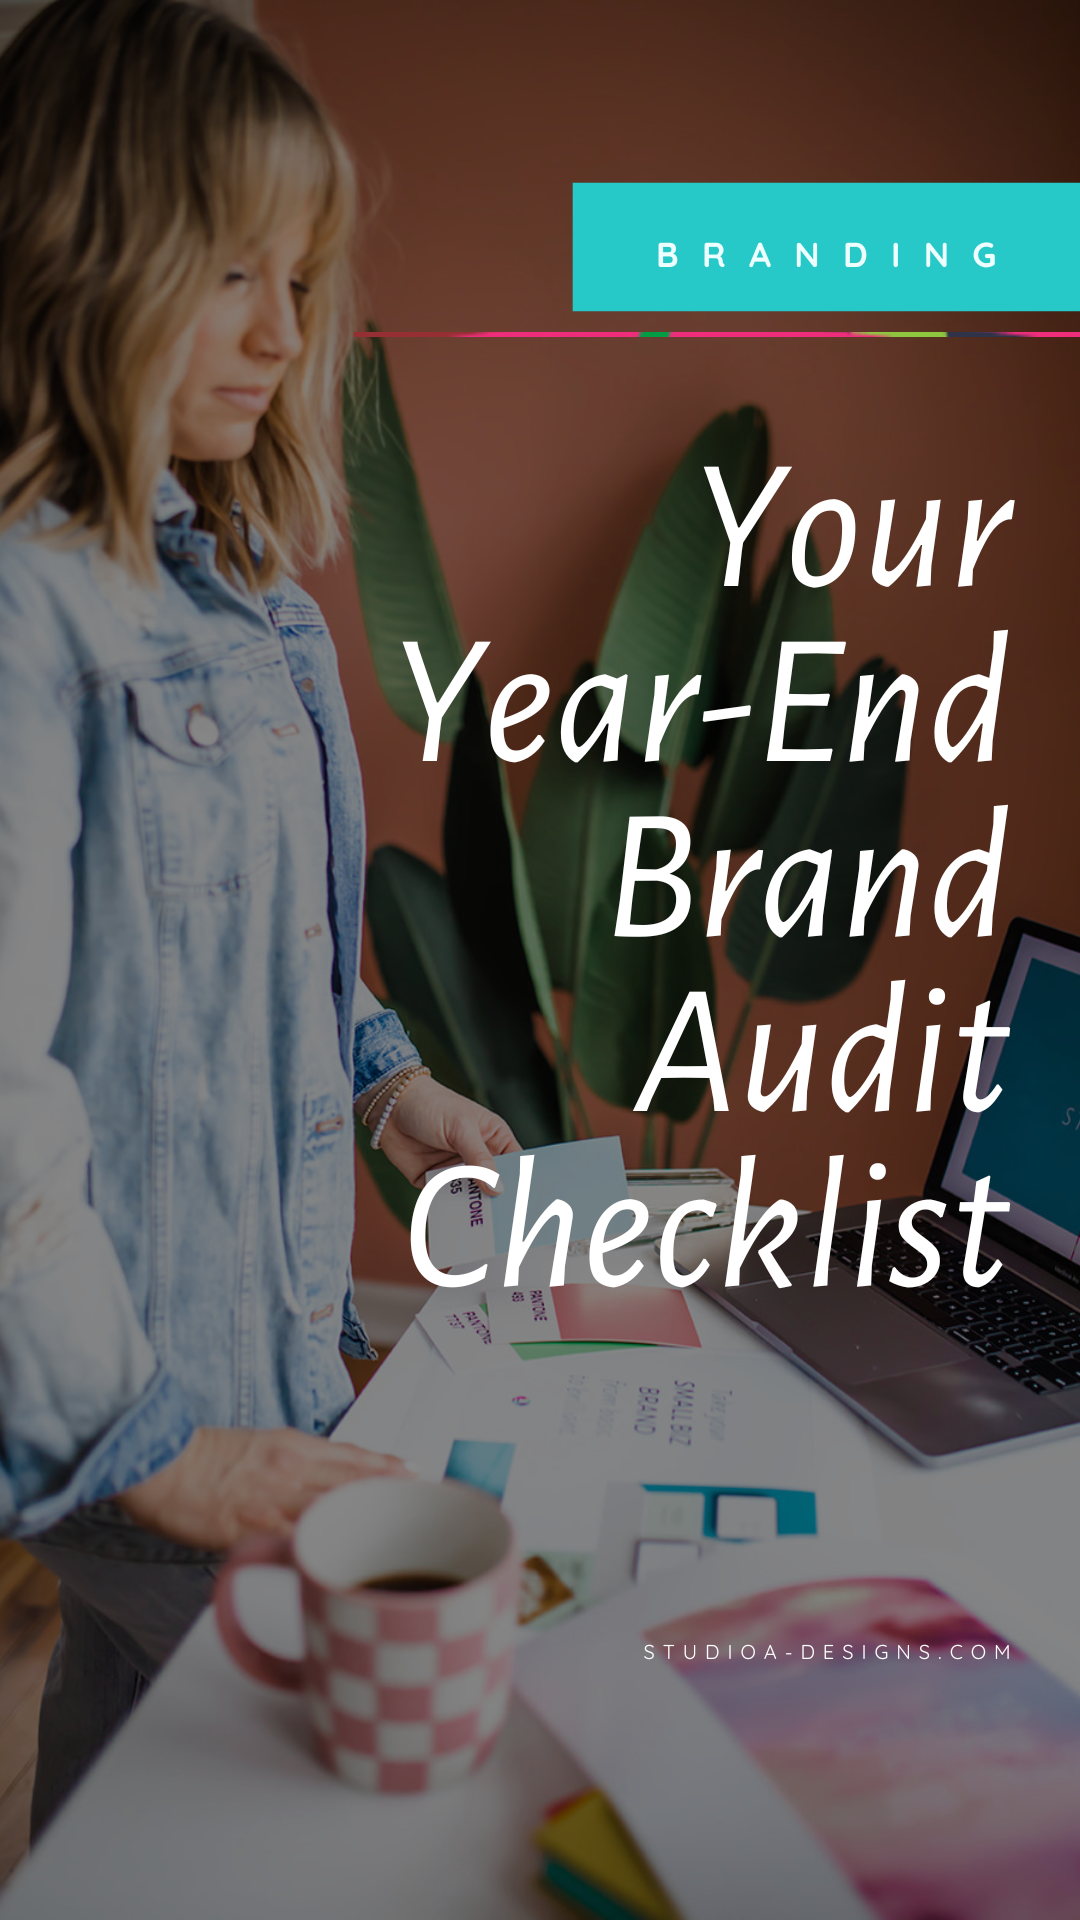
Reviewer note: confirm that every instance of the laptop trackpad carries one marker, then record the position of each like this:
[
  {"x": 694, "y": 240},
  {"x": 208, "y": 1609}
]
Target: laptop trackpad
[{"x": 851, "y": 1334}]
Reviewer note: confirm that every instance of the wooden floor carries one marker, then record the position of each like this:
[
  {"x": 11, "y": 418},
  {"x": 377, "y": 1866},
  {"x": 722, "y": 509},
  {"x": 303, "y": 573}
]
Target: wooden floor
[{"x": 29, "y": 1623}]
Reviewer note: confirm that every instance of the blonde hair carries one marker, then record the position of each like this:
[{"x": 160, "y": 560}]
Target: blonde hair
[{"x": 143, "y": 145}]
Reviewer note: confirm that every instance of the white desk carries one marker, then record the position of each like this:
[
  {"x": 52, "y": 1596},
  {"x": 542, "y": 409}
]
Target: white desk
[{"x": 210, "y": 1804}]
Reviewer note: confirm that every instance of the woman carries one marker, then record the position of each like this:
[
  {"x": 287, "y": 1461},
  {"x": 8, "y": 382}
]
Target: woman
[{"x": 182, "y": 1025}]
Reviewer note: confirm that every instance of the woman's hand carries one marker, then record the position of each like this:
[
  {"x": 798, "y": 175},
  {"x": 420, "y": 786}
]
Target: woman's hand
[
  {"x": 230, "y": 1481},
  {"x": 431, "y": 1127}
]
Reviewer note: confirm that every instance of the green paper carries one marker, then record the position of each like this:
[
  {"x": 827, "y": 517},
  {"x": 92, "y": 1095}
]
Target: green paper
[{"x": 558, "y": 1349}]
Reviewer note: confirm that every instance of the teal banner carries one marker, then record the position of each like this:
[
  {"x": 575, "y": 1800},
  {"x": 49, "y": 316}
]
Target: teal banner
[{"x": 735, "y": 247}]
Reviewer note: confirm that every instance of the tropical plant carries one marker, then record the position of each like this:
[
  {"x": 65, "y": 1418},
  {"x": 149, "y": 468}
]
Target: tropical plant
[{"x": 468, "y": 967}]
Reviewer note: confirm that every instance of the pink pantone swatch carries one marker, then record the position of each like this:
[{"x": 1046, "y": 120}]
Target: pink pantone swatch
[{"x": 655, "y": 1319}]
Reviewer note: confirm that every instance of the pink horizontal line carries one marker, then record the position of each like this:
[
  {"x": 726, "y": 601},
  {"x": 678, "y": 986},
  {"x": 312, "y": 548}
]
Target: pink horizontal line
[
  {"x": 569, "y": 333},
  {"x": 557, "y": 333},
  {"x": 588, "y": 333},
  {"x": 750, "y": 333}
]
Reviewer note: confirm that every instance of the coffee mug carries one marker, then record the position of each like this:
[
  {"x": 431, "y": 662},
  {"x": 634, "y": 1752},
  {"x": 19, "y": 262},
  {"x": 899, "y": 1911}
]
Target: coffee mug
[{"x": 407, "y": 1689}]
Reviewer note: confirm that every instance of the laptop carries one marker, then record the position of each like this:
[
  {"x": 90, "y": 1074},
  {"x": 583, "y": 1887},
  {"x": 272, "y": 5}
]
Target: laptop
[{"x": 947, "y": 1370}]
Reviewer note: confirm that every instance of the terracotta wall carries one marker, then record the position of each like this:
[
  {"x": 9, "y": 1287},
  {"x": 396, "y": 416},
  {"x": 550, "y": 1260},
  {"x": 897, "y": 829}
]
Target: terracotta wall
[{"x": 540, "y": 461}]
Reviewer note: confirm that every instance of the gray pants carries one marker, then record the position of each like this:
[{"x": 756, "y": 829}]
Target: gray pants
[{"x": 127, "y": 1598}]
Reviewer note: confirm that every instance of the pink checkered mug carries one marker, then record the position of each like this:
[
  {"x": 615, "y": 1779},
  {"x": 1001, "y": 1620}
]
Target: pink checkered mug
[{"x": 407, "y": 1690}]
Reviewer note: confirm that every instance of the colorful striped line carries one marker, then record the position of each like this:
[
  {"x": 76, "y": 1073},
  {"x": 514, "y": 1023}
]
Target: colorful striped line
[{"x": 801, "y": 333}]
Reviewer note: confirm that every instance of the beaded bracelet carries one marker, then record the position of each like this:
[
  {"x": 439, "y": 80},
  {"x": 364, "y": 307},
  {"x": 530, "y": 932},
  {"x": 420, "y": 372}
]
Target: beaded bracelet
[
  {"x": 414, "y": 1073},
  {"x": 382, "y": 1089}
]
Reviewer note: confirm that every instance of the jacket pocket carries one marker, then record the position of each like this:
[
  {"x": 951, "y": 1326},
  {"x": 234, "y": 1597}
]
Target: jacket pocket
[{"x": 202, "y": 778}]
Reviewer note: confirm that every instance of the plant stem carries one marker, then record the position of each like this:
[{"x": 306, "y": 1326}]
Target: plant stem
[
  {"x": 736, "y": 1038},
  {"x": 703, "y": 1137},
  {"x": 570, "y": 1094},
  {"x": 764, "y": 958},
  {"x": 576, "y": 1097},
  {"x": 567, "y": 1089},
  {"x": 736, "y": 1042}
]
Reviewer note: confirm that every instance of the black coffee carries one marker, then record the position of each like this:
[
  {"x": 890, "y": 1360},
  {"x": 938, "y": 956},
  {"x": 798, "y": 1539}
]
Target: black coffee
[{"x": 411, "y": 1582}]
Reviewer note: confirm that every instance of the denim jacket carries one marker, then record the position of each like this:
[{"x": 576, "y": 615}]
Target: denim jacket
[{"x": 182, "y": 1024}]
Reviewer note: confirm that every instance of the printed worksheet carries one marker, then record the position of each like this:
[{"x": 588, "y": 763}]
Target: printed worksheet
[{"x": 618, "y": 1464}]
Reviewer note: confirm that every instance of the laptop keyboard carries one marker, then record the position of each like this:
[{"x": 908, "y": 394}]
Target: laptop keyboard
[{"x": 1013, "y": 1325}]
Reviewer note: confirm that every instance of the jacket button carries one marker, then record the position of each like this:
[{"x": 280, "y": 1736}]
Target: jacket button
[
  {"x": 307, "y": 686},
  {"x": 203, "y": 729}
]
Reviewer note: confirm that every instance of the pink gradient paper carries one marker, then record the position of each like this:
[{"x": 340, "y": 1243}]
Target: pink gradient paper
[{"x": 946, "y": 1783}]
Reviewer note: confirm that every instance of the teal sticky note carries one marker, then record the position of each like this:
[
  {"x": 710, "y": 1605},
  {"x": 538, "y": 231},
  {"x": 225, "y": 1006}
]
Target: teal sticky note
[{"x": 484, "y": 1464}]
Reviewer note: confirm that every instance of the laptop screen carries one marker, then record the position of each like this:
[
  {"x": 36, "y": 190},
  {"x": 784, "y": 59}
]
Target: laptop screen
[{"x": 1028, "y": 1141}]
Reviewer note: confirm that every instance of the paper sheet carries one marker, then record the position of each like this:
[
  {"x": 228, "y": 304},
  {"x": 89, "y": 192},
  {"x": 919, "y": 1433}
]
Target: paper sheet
[
  {"x": 738, "y": 1444},
  {"x": 457, "y": 1324}
]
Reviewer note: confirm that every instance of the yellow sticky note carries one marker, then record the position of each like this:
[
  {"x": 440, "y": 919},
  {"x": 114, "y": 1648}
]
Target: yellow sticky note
[{"x": 588, "y": 1837}]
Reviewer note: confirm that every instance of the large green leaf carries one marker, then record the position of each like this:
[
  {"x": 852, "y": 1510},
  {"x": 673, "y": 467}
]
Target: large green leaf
[
  {"x": 826, "y": 805},
  {"x": 427, "y": 967},
  {"x": 478, "y": 851},
  {"x": 399, "y": 1193},
  {"x": 489, "y": 883},
  {"x": 744, "y": 787},
  {"x": 403, "y": 596},
  {"x": 574, "y": 834},
  {"x": 632, "y": 989},
  {"x": 672, "y": 613},
  {"x": 402, "y": 591}
]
